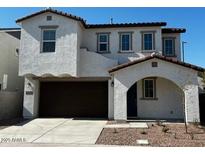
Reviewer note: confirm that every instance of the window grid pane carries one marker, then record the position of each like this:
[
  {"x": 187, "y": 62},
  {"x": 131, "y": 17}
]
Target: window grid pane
[
  {"x": 103, "y": 38},
  {"x": 125, "y": 42},
  {"x": 103, "y": 42},
  {"x": 48, "y": 42},
  {"x": 149, "y": 88},
  {"x": 103, "y": 47},
  {"x": 168, "y": 47},
  {"x": 49, "y": 35},
  {"x": 148, "y": 41},
  {"x": 48, "y": 46}
]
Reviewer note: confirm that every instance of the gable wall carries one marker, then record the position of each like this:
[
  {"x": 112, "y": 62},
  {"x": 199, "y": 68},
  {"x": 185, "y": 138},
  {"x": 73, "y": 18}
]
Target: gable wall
[{"x": 62, "y": 61}]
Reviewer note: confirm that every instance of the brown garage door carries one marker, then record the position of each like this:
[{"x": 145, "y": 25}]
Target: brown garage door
[{"x": 74, "y": 99}]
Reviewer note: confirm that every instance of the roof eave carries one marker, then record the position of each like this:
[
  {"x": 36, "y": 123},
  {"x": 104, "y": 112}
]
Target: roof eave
[
  {"x": 52, "y": 11},
  {"x": 187, "y": 65}
]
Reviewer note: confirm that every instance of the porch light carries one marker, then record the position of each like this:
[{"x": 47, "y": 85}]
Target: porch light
[{"x": 112, "y": 84}]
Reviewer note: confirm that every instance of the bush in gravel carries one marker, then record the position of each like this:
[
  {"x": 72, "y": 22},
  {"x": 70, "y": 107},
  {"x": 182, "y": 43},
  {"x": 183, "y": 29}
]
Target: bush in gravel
[
  {"x": 196, "y": 123},
  {"x": 192, "y": 135},
  {"x": 115, "y": 130},
  {"x": 175, "y": 135},
  {"x": 165, "y": 129},
  {"x": 159, "y": 123},
  {"x": 143, "y": 132}
]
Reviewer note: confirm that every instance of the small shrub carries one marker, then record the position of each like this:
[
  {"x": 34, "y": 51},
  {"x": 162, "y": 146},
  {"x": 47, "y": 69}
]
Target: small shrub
[
  {"x": 165, "y": 129},
  {"x": 196, "y": 123},
  {"x": 115, "y": 130},
  {"x": 159, "y": 123},
  {"x": 175, "y": 135},
  {"x": 143, "y": 132},
  {"x": 192, "y": 135}
]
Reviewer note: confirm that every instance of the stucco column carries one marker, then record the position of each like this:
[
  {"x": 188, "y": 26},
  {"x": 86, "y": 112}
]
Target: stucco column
[
  {"x": 191, "y": 103},
  {"x": 120, "y": 100},
  {"x": 31, "y": 97},
  {"x": 111, "y": 99}
]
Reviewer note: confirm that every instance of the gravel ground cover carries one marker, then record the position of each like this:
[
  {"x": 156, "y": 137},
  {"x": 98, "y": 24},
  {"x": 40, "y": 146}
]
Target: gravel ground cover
[{"x": 165, "y": 135}]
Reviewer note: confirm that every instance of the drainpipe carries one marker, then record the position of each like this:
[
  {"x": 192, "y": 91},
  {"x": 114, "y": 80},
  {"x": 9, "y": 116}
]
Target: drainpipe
[{"x": 183, "y": 42}]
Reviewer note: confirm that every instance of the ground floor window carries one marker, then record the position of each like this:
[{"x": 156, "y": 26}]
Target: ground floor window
[{"x": 149, "y": 88}]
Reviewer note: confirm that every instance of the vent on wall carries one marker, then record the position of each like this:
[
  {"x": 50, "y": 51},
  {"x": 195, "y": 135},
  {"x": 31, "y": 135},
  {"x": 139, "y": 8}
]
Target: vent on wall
[
  {"x": 49, "y": 18},
  {"x": 154, "y": 64}
]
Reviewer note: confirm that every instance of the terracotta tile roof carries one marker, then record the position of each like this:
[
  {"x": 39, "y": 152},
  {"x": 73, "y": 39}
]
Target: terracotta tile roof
[
  {"x": 55, "y": 12},
  {"x": 173, "y": 30},
  {"x": 197, "y": 68},
  {"x": 9, "y": 29},
  {"x": 144, "y": 24}
]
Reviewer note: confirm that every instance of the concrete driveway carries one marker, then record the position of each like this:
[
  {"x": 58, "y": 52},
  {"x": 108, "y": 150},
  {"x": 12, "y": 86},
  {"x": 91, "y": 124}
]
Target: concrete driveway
[{"x": 54, "y": 131}]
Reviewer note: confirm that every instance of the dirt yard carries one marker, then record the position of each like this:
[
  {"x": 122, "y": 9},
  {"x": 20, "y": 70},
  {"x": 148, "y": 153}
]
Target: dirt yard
[{"x": 165, "y": 135}]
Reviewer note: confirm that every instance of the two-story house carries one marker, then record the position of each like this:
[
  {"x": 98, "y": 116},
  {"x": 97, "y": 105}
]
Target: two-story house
[{"x": 116, "y": 71}]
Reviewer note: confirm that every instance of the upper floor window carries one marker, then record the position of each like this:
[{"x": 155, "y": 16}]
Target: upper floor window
[
  {"x": 148, "y": 41},
  {"x": 125, "y": 42},
  {"x": 168, "y": 47},
  {"x": 49, "y": 40},
  {"x": 103, "y": 42}
]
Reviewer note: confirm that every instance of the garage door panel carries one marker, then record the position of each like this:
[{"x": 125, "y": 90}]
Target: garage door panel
[{"x": 73, "y": 99}]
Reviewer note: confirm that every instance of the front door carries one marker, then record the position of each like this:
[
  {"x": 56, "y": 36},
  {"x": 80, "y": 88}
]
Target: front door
[{"x": 132, "y": 102}]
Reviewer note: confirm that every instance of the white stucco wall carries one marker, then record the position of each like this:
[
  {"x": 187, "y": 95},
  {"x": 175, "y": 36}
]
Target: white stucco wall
[
  {"x": 9, "y": 62},
  {"x": 201, "y": 85},
  {"x": 192, "y": 103},
  {"x": 181, "y": 76},
  {"x": 90, "y": 38},
  {"x": 169, "y": 103},
  {"x": 10, "y": 105},
  {"x": 94, "y": 65},
  {"x": 111, "y": 99},
  {"x": 90, "y": 41},
  {"x": 62, "y": 61},
  {"x": 31, "y": 98}
]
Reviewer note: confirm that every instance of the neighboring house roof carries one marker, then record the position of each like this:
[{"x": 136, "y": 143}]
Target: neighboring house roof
[
  {"x": 10, "y": 29},
  {"x": 197, "y": 68},
  {"x": 144, "y": 24},
  {"x": 173, "y": 30},
  {"x": 15, "y": 32}
]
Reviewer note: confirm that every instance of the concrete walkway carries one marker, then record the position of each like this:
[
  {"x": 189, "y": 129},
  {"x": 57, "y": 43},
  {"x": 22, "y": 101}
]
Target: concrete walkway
[
  {"x": 54, "y": 131},
  {"x": 128, "y": 125}
]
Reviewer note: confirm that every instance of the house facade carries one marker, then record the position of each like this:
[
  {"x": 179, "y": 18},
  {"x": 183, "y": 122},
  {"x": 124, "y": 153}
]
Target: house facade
[
  {"x": 11, "y": 85},
  {"x": 116, "y": 71},
  {"x": 9, "y": 47}
]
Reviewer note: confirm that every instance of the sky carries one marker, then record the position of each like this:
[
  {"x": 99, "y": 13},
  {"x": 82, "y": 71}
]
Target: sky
[{"x": 193, "y": 19}]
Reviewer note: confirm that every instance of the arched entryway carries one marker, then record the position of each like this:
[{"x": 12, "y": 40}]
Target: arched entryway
[
  {"x": 181, "y": 76},
  {"x": 155, "y": 98}
]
